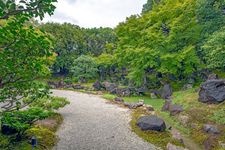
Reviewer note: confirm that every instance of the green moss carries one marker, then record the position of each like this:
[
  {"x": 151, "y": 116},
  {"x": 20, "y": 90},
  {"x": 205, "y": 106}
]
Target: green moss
[{"x": 46, "y": 138}]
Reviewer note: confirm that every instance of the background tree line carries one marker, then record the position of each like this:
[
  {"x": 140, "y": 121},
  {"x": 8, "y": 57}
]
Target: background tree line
[{"x": 171, "y": 41}]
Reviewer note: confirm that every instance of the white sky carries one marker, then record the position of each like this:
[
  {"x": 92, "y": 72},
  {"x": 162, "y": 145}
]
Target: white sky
[{"x": 95, "y": 13}]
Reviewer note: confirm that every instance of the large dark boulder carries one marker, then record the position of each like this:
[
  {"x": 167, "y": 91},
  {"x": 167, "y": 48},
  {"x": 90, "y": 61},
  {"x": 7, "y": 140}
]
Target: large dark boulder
[
  {"x": 166, "y": 92},
  {"x": 212, "y": 91},
  {"x": 151, "y": 123},
  {"x": 110, "y": 87},
  {"x": 7, "y": 130}
]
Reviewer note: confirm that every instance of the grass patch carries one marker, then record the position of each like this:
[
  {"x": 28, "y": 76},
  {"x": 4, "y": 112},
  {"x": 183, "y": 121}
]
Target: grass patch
[{"x": 109, "y": 96}]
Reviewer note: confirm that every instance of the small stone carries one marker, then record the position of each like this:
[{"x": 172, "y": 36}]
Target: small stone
[
  {"x": 177, "y": 135},
  {"x": 211, "y": 129},
  {"x": 183, "y": 119},
  {"x": 166, "y": 105},
  {"x": 175, "y": 109},
  {"x": 174, "y": 147},
  {"x": 149, "y": 108},
  {"x": 118, "y": 99}
]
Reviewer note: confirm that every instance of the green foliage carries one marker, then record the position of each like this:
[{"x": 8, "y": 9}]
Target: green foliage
[
  {"x": 175, "y": 38},
  {"x": 100, "y": 40},
  {"x": 149, "y": 5},
  {"x": 72, "y": 41},
  {"x": 214, "y": 50},
  {"x": 50, "y": 103},
  {"x": 69, "y": 43},
  {"x": 34, "y": 8},
  {"x": 25, "y": 53},
  {"x": 84, "y": 68},
  {"x": 22, "y": 120},
  {"x": 219, "y": 116}
]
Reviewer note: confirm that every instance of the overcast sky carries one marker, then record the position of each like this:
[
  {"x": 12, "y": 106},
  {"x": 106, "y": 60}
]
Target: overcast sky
[{"x": 95, "y": 13}]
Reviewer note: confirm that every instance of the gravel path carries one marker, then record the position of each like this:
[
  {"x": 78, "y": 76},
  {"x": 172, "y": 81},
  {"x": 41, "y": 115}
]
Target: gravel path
[{"x": 92, "y": 124}]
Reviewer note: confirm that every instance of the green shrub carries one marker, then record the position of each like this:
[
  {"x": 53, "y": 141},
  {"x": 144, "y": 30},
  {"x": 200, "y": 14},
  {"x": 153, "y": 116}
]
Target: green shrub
[
  {"x": 50, "y": 103},
  {"x": 22, "y": 120}
]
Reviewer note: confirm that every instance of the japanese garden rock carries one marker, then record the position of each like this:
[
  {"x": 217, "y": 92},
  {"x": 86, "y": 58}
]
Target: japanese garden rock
[
  {"x": 7, "y": 130},
  {"x": 211, "y": 129},
  {"x": 166, "y": 91},
  {"x": 110, "y": 87},
  {"x": 174, "y": 147},
  {"x": 175, "y": 109},
  {"x": 151, "y": 122},
  {"x": 213, "y": 76},
  {"x": 97, "y": 85},
  {"x": 77, "y": 86},
  {"x": 118, "y": 99},
  {"x": 177, "y": 136},
  {"x": 187, "y": 86},
  {"x": 167, "y": 105},
  {"x": 209, "y": 143},
  {"x": 149, "y": 108},
  {"x": 212, "y": 91},
  {"x": 134, "y": 105},
  {"x": 141, "y": 90},
  {"x": 123, "y": 92}
]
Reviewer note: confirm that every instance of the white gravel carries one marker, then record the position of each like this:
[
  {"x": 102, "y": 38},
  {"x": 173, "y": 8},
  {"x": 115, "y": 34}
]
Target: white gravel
[{"x": 92, "y": 124}]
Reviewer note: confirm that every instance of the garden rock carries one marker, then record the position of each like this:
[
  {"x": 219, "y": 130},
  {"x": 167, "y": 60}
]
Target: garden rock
[
  {"x": 211, "y": 129},
  {"x": 97, "y": 85},
  {"x": 209, "y": 143},
  {"x": 175, "y": 109},
  {"x": 123, "y": 92},
  {"x": 167, "y": 105},
  {"x": 140, "y": 91},
  {"x": 166, "y": 91},
  {"x": 212, "y": 91},
  {"x": 149, "y": 108},
  {"x": 77, "y": 87},
  {"x": 213, "y": 76},
  {"x": 118, "y": 99},
  {"x": 151, "y": 122},
  {"x": 7, "y": 130},
  {"x": 187, "y": 86},
  {"x": 134, "y": 105},
  {"x": 177, "y": 135},
  {"x": 110, "y": 87},
  {"x": 174, "y": 147}
]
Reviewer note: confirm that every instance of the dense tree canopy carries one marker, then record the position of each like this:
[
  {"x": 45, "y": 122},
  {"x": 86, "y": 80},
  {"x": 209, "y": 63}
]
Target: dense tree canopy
[
  {"x": 25, "y": 53},
  {"x": 168, "y": 39},
  {"x": 72, "y": 41}
]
